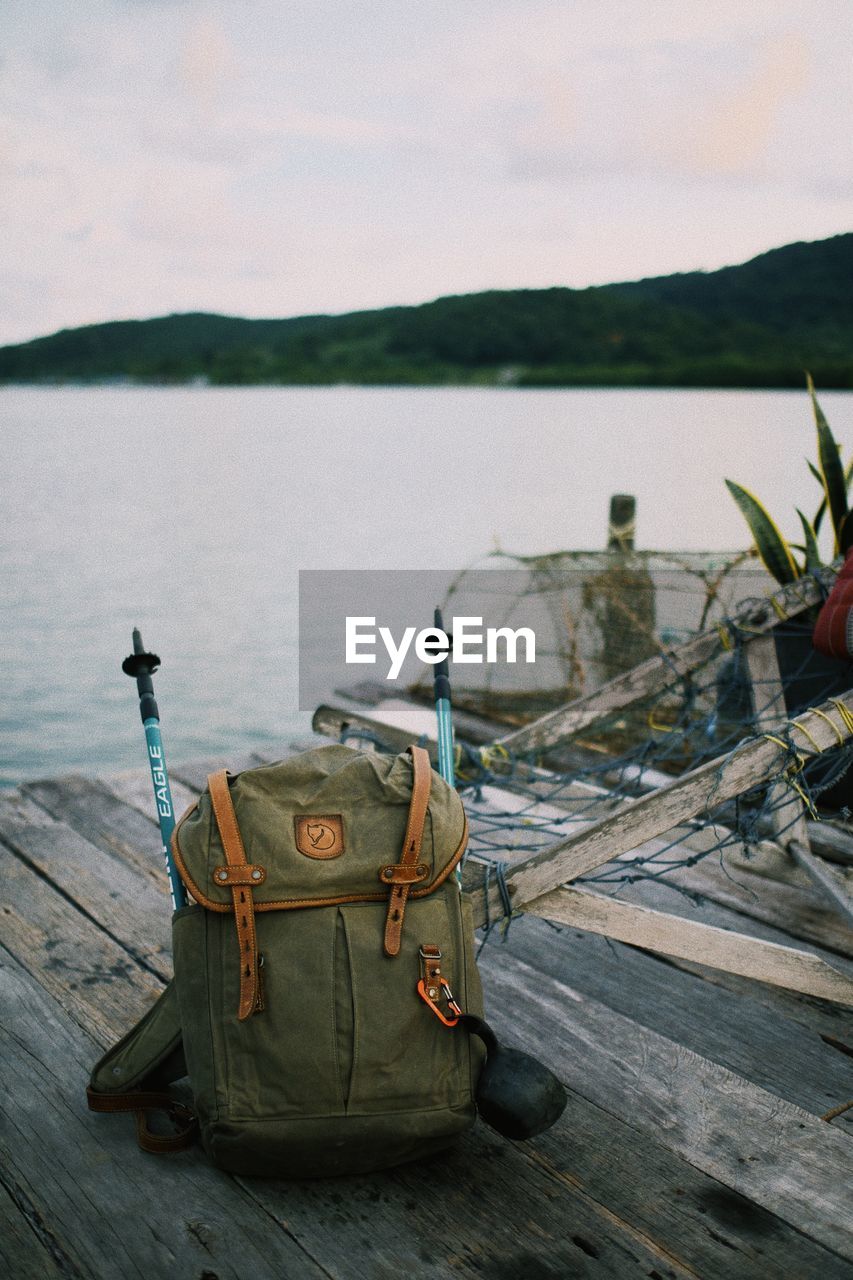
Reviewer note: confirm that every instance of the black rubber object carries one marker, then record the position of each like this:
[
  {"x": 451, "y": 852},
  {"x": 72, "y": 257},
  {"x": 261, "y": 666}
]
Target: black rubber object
[{"x": 516, "y": 1095}]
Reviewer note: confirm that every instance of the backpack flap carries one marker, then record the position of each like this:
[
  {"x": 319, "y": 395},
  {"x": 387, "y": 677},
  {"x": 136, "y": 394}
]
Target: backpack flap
[
  {"x": 320, "y": 828},
  {"x": 329, "y": 827}
]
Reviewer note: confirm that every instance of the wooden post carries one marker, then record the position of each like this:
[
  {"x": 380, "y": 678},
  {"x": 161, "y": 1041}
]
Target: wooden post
[{"x": 622, "y": 524}]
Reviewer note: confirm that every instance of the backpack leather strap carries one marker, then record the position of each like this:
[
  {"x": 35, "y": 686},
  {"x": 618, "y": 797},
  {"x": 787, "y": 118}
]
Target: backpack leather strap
[
  {"x": 421, "y": 784},
  {"x": 140, "y": 1103},
  {"x": 241, "y": 893}
]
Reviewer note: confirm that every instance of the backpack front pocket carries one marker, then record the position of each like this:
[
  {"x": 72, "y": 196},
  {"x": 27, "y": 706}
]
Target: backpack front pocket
[
  {"x": 403, "y": 1057},
  {"x": 281, "y": 1061}
]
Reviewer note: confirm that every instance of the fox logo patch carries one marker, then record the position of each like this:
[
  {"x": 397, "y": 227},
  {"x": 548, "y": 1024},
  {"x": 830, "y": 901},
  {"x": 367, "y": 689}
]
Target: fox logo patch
[{"x": 319, "y": 835}]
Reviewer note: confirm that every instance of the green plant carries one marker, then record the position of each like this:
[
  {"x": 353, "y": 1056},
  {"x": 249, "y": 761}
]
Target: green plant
[{"x": 776, "y": 554}]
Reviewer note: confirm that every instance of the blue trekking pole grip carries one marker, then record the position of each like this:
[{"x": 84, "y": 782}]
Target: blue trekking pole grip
[
  {"x": 141, "y": 666},
  {"x": 441, "y": 691},
  {"x": 443, "y": 712}
]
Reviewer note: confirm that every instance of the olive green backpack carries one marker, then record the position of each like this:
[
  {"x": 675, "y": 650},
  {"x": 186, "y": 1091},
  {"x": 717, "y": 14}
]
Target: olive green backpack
[
  {"x": 326, "y": 1005},
  {"x": 319, "y": 974}
]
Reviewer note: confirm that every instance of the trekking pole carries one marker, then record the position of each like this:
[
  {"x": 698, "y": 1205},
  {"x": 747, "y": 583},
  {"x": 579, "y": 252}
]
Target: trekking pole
[
  {"x": 443, "y": 711},
  {"x": 142, "y": 666},
  {"x": 441, "y": 689}
]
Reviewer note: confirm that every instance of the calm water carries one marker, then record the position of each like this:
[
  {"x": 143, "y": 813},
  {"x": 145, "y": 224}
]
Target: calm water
[{"x": 189, "y": 512}]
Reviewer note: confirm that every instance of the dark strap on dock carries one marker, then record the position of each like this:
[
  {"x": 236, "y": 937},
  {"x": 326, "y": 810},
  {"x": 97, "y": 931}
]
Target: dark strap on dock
[{"x": 140, "y": 1103}]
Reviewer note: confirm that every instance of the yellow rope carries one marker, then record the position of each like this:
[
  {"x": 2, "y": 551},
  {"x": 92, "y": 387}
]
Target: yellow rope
[
  {"x": 489, "y": 754},
  {"x": 795, "y": 767},
  {"x": 777, "y": 606},
  {"x": 808, "y": 803},
  {"x": 845, "y": 713},
  {"x": 795, "y": 724},
  {"x": 833, "y": 726},
  {"x": 457, "y": 762},
  {"x": 846, "y": 717},
  {"x": 725, "y": 636}
]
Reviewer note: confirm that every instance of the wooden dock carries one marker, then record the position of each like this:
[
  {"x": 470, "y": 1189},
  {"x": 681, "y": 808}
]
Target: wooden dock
[{"x": 703, "y": 1136}]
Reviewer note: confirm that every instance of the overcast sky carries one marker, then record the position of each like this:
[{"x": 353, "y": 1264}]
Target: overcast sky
[{"x": 273, "y": 157}]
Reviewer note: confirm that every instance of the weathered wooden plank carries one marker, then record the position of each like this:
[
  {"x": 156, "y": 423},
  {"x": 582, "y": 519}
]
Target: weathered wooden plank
[
  {"x": 93, "y": 976},
  {"x": 134, "y": 789},
  {"x": 501, "y": 1214},
  {"x": 659, "y": 673},
  {"x": 743, "y": 885},
  {"x": 103, "y": 819},
  {"x": 27, "y": 1250},
  {"x": 659, "y": 811},
  {"x": 791, "y": 904},
  {"x": 762, "y": 881},
  {"x": 714, "y": 1230},
  {"x": 467, "y": 724},
  {"x": 333, "y": 721},
  {"x": 675, "y": 935},
  {"x": 327, "y": 1217},
  {"x": 769, "y": 1044},
  {"x": 124, "y": 902},
  {"x": 832, "y": 842},
  {"x": 110, "y": 1212},
  {"x": 778, "y": 1155},
  {"x": 828, "y": 880},
  {"x": 787, "y": 815},
  {"x": 818, "y": 1016}
]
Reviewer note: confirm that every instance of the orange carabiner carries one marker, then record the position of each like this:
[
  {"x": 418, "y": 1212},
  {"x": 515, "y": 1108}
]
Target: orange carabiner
[
  {"x": 448, "y": 995},
  {"x": 451, "y": 1003}
]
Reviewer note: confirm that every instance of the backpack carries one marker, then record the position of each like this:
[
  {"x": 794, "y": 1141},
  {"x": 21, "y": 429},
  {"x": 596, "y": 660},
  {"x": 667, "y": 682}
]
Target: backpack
[{"x": 326, "y": 1004}]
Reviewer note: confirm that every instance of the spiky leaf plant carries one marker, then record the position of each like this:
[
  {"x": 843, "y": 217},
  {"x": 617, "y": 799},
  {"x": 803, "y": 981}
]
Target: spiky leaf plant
[
  {"x": 776, "y": 554},
  {"x": 772, "y": 548}
]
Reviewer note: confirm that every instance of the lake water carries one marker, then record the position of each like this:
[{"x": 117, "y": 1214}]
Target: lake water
[{"x": 189, "y": 512}]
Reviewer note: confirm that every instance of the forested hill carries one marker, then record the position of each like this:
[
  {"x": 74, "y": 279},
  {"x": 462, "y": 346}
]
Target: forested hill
[{"x": 758, "y": 324}]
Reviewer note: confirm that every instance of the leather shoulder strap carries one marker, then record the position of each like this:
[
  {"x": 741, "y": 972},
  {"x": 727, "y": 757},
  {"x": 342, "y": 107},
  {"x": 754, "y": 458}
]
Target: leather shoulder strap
[
  {"x": 241, "y": 893},
  {"x": 411, "y": 851}
]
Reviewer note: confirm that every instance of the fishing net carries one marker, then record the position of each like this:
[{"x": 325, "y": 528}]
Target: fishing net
[{"x": 601, "y": 614}]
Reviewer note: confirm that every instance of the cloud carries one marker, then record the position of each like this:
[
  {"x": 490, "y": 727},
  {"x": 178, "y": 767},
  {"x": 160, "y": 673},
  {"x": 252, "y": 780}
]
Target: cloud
[
  {"x": 207, "y": 61},
  {"x": 736, "y": 136},
  {"x": 314, "y": 156}
]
